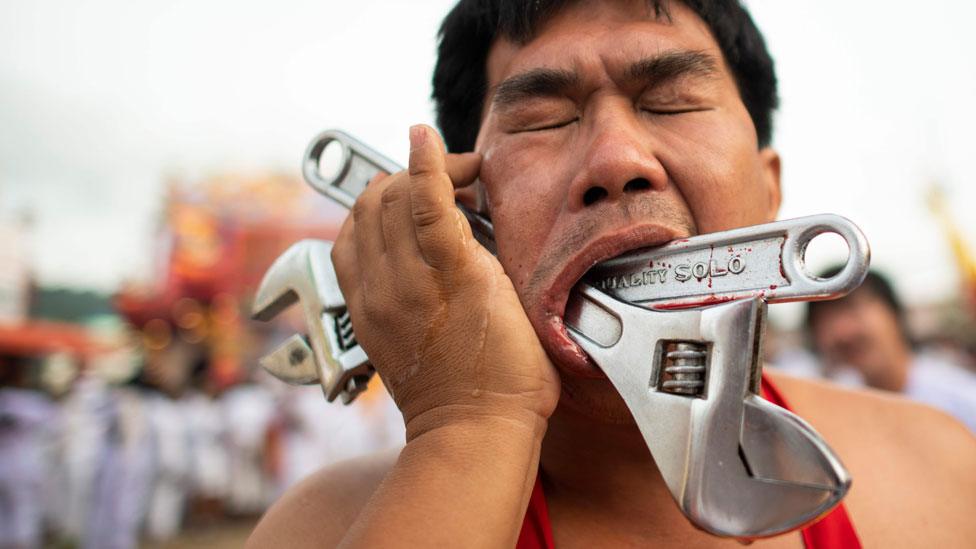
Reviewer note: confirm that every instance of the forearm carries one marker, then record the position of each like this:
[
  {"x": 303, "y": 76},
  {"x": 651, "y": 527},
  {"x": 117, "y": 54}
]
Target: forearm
[{"x": 462, "y": 485}]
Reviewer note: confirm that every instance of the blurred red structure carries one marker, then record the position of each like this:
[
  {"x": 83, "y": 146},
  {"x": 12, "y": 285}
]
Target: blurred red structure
[
  {"x": 214, "y": 245},
  {"x": 37, "y": 338}
]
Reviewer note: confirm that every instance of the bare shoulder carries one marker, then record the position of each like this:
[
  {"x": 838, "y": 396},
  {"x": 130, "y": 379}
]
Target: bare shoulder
[
  {"x": 913, "y": 467},
  {"x": 318, "y": 511}
]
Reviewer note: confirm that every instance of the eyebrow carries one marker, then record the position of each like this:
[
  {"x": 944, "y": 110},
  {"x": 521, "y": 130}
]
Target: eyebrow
[
  {"x": 534, "y": 83},
  {"x": 673, "y": 64},
  {"x": 544, "y": 82}
]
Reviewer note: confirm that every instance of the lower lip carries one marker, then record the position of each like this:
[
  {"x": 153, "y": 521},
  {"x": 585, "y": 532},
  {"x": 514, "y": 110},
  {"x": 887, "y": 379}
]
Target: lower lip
[{"x": 567, "y": 355}]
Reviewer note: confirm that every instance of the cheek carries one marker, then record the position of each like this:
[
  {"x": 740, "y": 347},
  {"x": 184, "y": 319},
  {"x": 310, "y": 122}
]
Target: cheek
[
  {"x": 882, "y": 326},
  {"x": 718, "y": 173},
  {"x": 524, "y": 204}
]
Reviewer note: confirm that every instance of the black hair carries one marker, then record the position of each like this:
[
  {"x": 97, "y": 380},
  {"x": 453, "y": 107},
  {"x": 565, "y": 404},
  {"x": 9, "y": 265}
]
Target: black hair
[
  {"x": 460, "y": 76},
  {"x": 875, "y": 284}
]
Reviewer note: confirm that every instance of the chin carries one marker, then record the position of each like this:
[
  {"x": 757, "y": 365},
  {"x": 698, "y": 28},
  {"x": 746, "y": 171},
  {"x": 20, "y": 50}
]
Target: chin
[{"x": 593, "y": 398}]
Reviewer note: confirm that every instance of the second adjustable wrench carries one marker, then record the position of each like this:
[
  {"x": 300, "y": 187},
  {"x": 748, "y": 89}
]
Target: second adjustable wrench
[{"x": 329, "y": 354}]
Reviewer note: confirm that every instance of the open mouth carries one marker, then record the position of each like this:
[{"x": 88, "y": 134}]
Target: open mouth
[{"x": 554, "y": 336}]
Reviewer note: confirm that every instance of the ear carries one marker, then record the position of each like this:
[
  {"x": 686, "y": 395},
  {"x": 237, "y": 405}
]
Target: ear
[{"x": 770, "y": 173}]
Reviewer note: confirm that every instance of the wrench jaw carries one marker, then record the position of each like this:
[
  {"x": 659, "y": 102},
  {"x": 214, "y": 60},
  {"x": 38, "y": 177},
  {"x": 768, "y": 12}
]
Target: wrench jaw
[
  {"x": 355, "y": 376},
  {"x": 736, "y": 465},
  {"x": 292, "y": 362},
  {"x": 328, "y": 354}
]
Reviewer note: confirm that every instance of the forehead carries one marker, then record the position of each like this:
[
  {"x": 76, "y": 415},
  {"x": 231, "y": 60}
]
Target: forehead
[
  {"x": 860, "y": 300},
  {"x": 593, "y": 37}
]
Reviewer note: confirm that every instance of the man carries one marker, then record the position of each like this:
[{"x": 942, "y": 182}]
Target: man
[
  {"x": 866, "y": 331},
  {"x": 599, "y": 127}
]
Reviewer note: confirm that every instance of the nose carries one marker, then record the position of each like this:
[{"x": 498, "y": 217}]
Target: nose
[{"x": 619, "y": 162}]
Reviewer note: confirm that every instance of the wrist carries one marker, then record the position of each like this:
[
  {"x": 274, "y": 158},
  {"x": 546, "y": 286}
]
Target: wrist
[{"x": 466, "y": 424}]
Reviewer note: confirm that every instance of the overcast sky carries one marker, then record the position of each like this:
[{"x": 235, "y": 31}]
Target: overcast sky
[{"x": 100, "y": 100}]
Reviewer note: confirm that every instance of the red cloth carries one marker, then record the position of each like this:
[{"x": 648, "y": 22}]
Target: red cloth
[
  {"x": 536, "y": 530},
  {"x": 833, "y": 531}
]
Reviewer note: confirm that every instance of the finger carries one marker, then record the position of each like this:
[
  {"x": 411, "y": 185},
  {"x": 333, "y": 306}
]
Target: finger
[
  {"x": 397, "y": 212},
  {"x": 366, "y": 214},
  {"x": 345, "y": 264},
  {"x": 398, "y": 233},
  {"x": 437, "y": 223},
  {"x": 463, "y": 168}
]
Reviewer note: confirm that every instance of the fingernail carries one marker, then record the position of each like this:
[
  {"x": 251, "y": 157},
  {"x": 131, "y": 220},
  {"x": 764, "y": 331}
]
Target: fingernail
[{"x": 418, "y": 136}]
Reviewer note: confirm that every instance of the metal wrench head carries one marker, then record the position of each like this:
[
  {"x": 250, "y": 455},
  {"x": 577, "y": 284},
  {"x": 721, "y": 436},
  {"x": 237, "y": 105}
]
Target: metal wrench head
[
  {"x": 328, "y": 354},
  {"x": 737, "y": 465}
]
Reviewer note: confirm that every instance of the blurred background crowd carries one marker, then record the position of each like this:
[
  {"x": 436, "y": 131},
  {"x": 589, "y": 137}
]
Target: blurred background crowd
[
  {"x": 132, "y": 415},
  {"x": 149, "y": 176}
]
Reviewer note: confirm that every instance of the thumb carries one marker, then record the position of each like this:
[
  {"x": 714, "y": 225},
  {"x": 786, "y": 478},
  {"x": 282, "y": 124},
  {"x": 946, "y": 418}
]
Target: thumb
[{"x": 437, "y": 223}]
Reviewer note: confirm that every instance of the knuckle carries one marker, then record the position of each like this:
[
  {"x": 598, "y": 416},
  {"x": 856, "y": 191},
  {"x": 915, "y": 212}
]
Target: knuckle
[
  {"x": 426, "y": 217},
  {"x": 420, "y": 169},
  {"x": 360, "y": 210},
  {"x": 427, "y": 212},
  {"x": 393, "y": 195},
  {"x": 375, "y": 310}
]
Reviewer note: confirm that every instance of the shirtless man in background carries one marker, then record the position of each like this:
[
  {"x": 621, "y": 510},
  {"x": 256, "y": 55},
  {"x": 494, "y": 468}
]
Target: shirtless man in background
[{"x": 604, "y": 126}]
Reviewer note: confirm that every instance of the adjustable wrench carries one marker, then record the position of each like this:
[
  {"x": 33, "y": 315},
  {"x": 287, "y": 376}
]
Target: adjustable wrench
[
  {"x": 329, "y": 354},
  {"x": 678, "y": 331},
  {"x": 686, "y": 361}
]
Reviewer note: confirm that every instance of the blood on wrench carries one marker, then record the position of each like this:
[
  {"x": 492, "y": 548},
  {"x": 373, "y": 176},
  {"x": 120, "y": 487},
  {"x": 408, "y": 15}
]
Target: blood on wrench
[{"x": 766, "y": 261}]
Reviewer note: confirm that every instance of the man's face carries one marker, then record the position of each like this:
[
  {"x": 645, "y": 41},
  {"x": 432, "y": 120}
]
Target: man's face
[
  {"x": 860, "y": 331},
  {"x": 611, "y": 131}
]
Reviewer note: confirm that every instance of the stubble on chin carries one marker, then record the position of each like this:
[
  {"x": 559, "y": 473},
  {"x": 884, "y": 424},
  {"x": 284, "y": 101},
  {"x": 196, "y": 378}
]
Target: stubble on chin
[{"x": 594, "y": 399}]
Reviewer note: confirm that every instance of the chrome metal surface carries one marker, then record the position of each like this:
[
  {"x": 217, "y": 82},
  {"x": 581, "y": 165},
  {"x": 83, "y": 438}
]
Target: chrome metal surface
[
  {"x": 683, "y": 368},
  {"x": 359, "y": 164},
  {"x": 328, "y": 355},
  {"x": 737, "y": 465},
  {"x": 764, "y": 261}
]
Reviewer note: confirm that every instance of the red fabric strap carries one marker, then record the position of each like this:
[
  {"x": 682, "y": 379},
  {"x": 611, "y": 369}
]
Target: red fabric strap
[
  {"x": 536, "y": 530},
  {"x": 833, "y": 531}
]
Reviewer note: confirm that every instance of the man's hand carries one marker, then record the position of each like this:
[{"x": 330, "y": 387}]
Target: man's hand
[{"x": 435, "y": 312}]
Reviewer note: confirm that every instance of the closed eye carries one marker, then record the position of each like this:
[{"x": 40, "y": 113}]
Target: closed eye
[
  {"x": 554, "y": 126},
  {"x": 675, "y": 111}
]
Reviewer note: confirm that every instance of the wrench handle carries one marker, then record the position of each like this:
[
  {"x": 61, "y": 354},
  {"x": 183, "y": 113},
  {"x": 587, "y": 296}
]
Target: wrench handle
[
  {"x": 359, "y": 164},
  {"x": 766, "y": 261}
]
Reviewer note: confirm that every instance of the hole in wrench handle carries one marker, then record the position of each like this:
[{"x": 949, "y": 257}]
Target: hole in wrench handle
[{"x": 358, "y": 166}]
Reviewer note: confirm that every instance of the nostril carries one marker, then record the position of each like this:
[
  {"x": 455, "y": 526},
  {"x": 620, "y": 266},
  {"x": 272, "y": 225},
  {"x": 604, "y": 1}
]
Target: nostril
[
  {"x": 593, "y": 195},
  {"x": 635, "y": 185}
]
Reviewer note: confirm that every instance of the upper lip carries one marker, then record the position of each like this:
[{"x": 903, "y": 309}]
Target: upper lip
[{"x": 609, "y": 245}]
